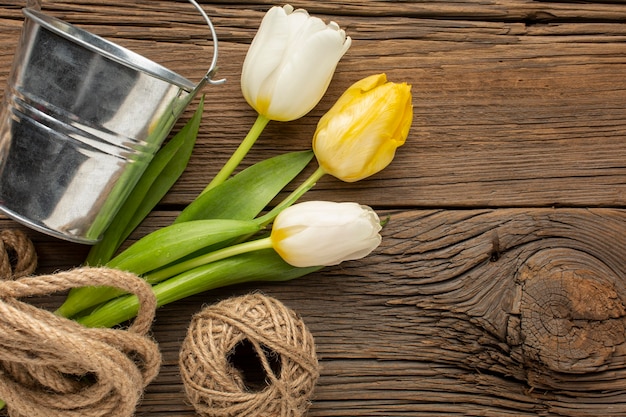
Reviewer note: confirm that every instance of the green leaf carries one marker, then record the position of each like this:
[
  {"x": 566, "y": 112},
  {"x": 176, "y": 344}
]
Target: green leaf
[
  {"x": 161, "y": 247},
  {"x": 163, "y": 171},
  {"x": 262, "y": 265},
  {"x": 169, "y": 244},
  {"x": 170, "y": 174},
  {"x": 246, "y": 194}
]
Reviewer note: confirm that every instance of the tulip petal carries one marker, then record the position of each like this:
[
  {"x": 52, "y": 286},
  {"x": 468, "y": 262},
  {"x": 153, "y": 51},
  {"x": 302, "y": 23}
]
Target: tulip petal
[
  {"x": 325, "y": 233},
  {"x": 290, "y": 63},
  {"x": 265, "y": 54},
  {"x": 309, "y": 71},
  {"x": 358, "y": 137}
]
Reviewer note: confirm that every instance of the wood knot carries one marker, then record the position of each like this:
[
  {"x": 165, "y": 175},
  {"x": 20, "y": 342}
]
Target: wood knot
[{"x": 571, "y": 311}]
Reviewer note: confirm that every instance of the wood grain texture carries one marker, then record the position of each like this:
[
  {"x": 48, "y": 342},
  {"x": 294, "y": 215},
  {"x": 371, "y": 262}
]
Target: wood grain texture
[
  {"x": 514, "y": 312},
  {"x": 499, "y": 289},
  {"x": 508, "y": 112}
]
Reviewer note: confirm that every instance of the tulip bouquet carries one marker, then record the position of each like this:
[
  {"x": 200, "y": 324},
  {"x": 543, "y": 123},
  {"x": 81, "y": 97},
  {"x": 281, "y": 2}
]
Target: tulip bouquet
[{"x": 229, "y": 234}]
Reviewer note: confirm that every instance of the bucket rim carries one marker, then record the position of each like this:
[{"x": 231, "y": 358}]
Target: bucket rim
[
  {"x": 109, "y": 49},
  {"x": 42, "y": 228}
]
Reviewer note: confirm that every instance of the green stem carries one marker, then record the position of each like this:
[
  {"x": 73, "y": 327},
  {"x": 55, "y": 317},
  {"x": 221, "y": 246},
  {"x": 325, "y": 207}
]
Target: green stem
[
  {"x": 261, "y": 265},
  {"x": 292, "y": 198},
  {"x": 217, "y": 255},
  {"x": 240, "y": 153}
]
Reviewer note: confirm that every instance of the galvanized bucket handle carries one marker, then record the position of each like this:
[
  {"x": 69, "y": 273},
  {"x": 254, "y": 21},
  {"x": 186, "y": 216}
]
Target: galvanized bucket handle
[
  {"x": 36, "y": 4},
  {"x": 213, "y": 67}
]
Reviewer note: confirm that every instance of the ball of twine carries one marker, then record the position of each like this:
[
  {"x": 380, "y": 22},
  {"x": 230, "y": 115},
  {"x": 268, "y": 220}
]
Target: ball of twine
[{"x": 284, "y": 349}]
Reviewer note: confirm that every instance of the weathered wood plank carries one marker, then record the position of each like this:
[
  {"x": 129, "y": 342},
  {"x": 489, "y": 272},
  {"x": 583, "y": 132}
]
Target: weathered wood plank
[
  {"x": 506, "y": 114},
  {"x": 492, "y": 312},
  {"x": 527, "y": 10},
  {"x": 470, "y": 312}
]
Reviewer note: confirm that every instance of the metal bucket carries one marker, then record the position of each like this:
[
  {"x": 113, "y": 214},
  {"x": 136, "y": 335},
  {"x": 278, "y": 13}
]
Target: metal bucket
[{"x": 82, "y": 117}]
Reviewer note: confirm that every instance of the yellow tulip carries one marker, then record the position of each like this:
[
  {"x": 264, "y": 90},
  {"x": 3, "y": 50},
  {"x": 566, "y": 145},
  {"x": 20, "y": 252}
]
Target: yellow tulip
[
  {"x": 287, "y": 70},
  {"x": 359, "y": 135}
]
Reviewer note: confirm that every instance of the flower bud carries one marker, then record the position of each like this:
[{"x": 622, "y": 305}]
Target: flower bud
[
  {"x": 359, "y": 135},
  {"x": 290, "y": 63},
  {"x": 322, "y": 233}
]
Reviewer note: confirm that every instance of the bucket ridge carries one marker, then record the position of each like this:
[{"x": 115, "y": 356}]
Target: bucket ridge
[{"x": 92, "y": 137}]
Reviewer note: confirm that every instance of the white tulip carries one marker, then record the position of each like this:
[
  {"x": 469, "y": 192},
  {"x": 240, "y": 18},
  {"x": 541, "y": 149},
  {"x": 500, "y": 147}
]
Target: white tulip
[
  {"x": 291, "y": 62},
  {"x": 323, "y": 233}
]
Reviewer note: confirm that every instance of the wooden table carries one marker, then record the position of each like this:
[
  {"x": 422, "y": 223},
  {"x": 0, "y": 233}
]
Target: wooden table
[{"x": 499, "y": 289}]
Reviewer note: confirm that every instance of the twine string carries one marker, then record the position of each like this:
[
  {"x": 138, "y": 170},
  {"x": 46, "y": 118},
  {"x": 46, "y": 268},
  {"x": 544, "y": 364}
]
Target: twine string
[
  {"x": 216, "y": 388},
  {"x": 17, "y": 254},
  {"x": 51, "y": 366}
]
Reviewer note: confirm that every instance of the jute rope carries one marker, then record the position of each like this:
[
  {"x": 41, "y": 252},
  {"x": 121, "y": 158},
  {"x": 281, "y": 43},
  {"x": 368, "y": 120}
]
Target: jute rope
[
  {"x": 280, "y": 339},
  {"x": 51, "y": 366},
  {"x": 17, "y": 254}
]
